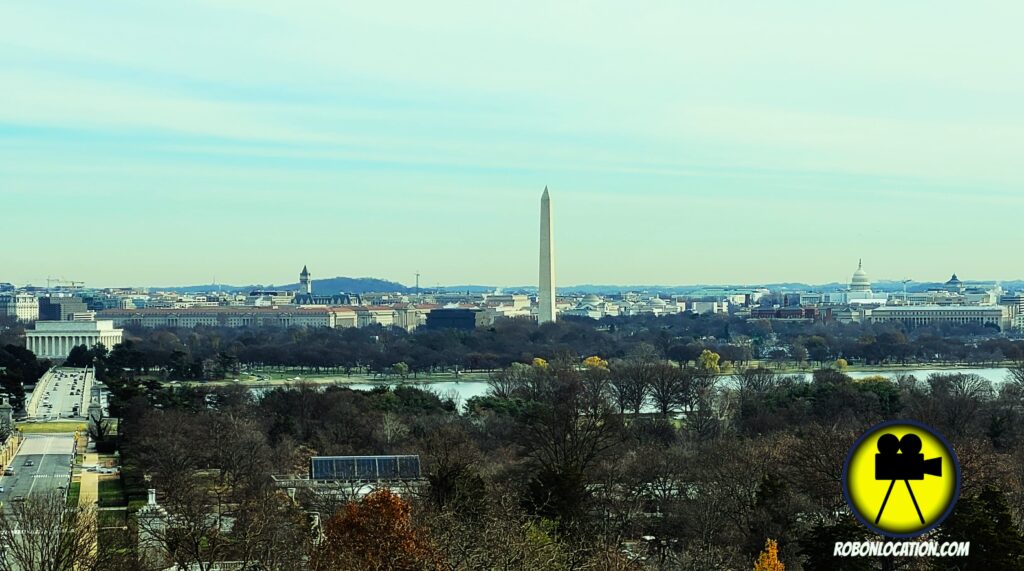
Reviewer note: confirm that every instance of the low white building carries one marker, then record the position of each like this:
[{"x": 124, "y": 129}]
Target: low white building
[
  {"x": 635, "y": 305},
  {"x": 516, "y": 301},
  {"x": 702, "y": 307},
  {"x": 287, "y": 316},
  {"x": 54, "y": 339},
  {"x": 594, "y": 307},
  {"x": 916, "y": 315},
  {"x": 269, "y": 298}
]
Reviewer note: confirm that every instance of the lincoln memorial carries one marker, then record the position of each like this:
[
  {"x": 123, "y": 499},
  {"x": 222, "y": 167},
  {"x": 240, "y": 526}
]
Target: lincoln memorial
[{"x": 54, "y": 339}]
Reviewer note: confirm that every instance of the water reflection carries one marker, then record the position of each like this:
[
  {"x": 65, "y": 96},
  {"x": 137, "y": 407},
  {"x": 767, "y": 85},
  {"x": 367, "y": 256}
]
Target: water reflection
[{"x": 466, "y": 390}]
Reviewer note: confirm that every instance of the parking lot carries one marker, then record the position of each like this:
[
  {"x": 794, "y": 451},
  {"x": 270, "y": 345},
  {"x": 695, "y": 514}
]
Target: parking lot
[{"x": 42, "y": 464}]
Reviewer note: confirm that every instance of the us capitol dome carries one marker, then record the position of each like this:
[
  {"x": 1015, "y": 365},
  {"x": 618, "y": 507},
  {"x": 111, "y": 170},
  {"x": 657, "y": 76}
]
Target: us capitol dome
[{"x": 860, "y": 281}]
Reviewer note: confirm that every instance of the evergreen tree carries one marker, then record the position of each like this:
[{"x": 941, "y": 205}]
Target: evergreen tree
[
  {"x": 819, "y": 546},
  {"x": 985, "y": 521}
]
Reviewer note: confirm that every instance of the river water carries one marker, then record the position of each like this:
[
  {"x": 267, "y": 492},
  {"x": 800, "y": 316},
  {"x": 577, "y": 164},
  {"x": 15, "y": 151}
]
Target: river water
[{"x": 465, "y": 390}]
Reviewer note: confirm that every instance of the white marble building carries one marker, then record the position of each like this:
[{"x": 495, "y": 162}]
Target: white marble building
[
  {"x": 54, "y": 339},
  {"x": 917, "y": 315}
]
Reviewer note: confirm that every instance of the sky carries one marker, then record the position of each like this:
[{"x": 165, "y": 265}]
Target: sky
[{"x": 166, "y": 143}]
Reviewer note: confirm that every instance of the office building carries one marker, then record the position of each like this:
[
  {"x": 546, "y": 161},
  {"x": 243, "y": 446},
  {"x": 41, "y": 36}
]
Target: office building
[
  {"x": 21, "y": 306},
  {"x": 60, "y": 308}
]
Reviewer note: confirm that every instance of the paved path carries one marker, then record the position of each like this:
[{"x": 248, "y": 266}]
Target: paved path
[{"x": 89, "y": 493}]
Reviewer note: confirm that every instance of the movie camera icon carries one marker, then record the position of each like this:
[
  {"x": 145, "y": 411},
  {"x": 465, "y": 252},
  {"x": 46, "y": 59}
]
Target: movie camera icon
[{"x": 901, "y": 459}]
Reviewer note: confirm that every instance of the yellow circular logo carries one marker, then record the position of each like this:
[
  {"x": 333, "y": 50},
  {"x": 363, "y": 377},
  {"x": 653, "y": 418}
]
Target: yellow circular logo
[{"x": 901, "y": 478}]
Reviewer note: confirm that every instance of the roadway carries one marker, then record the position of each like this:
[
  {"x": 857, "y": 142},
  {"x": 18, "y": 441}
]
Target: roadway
[
  {"x": 51, "y": 457},
  {"x": 63, "y": 392}
]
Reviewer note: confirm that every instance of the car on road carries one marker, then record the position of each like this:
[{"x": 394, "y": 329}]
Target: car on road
[
  {"x": 1, "y": 489},
  {"x": 18, "y": 499},
  {"x": 9, "y": 472},
  {"x": 29, "y": 463}
]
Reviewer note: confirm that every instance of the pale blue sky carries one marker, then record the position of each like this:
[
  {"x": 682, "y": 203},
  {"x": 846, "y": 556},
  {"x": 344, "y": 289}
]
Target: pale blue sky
[{"x": 150, "y": 143}]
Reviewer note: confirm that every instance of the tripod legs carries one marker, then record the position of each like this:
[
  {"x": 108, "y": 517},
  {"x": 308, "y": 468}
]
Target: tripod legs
[
  {"x": 913, "y": 499},
  {"x": 886, "y": 500}
]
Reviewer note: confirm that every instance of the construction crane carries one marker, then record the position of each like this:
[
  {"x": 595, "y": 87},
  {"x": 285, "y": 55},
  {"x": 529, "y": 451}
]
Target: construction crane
[{"x": 61, "y": 282}]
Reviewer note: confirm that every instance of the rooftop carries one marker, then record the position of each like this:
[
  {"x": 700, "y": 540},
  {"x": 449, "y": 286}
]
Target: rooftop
[
  {"x": 224, "y": 309},
  {"x": 889, "y": 308}
]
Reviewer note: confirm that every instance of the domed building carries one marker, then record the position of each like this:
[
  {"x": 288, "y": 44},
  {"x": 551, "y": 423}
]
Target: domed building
[
  {"x": 860, "y": 282},
  {"x": 859, "y": 292},
  {"x": 594, "y": 307},
  {"x": 591, "y": 299}
]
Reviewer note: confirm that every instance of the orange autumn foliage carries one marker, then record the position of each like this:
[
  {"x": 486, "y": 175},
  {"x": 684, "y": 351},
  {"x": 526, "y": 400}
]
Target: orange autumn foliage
[
  {"x": 768, "y": 560},
  {"x": 376, "y": 533}
]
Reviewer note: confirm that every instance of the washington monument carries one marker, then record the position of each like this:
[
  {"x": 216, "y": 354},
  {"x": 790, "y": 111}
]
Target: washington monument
[{"x": 546, "y": 292}]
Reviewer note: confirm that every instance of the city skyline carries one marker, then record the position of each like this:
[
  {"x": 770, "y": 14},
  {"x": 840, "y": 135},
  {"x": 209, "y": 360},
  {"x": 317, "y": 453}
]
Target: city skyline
[
  {"x": 60, "y": 284},
  {"x": 685, "y": 145}
]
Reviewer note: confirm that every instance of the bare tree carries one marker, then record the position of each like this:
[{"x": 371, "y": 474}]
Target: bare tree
[
  {"x": 1015, "y": 375},
  {"x": 705, "y": 416},
  {"x": 42, "y": 533},
  {"x": 392, "y": 428},
  {"x": 670, "y": 387},
  {"x": 510, "y": 382},
  {"x": 99, "y": 428},
  {"x": 451, "y": 459},
  {"x": 958, "y": 397},
  {"x": 564, "y": 435},
  {"x": 629, "y": 387},
  {"x": 217, "y": 501},
  {"x": 203, "y": 527},
  {"x": 502, "y": 536},
  {"x": 755, "y": 381}
]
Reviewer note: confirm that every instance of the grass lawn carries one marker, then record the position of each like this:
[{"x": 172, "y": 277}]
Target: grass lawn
[
  {"x": 113, "y": 538},
  {"x": 106, "y": 459},
  {"x": 112, "y": 493},
  {"x": 50, "y": 427},
  {"x": 73, "y": 493},
  {"x": 111, "y": 518},
  {"x": 135, "y": 489},
  {"x": 280, "y": 377}
]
